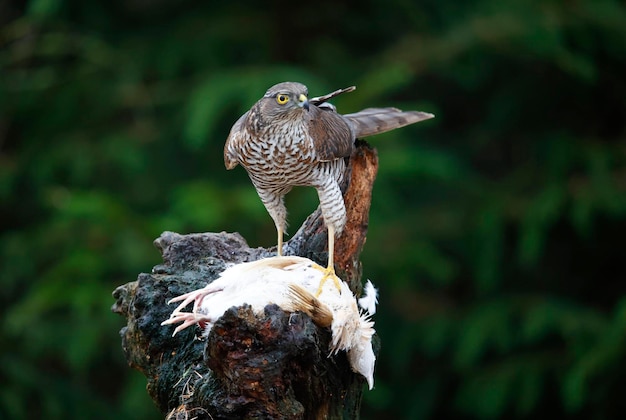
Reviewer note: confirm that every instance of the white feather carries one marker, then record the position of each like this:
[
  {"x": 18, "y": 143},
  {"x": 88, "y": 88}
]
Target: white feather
[
  {"x": 290, "y": 283},
  {"x": 370, "y": 298}
]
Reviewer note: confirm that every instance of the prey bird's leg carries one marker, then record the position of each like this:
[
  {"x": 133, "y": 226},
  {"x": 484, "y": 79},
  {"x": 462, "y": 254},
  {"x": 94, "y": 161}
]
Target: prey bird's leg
[{"x": 329, "y": 272}]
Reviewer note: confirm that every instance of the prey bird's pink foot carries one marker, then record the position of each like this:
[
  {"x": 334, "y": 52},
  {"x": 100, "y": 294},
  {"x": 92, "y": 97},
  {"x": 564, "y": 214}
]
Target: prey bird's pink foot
[
  {"x": 193, "y": 317},
  {"x": 196, "y": 297},
  {"x": 187, "y": 318}
]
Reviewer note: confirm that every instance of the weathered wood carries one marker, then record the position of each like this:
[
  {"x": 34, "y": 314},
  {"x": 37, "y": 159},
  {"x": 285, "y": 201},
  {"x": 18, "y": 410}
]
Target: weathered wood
[
  {"x": 272, "y": 366},
  {"x": 313, "y": 236}
]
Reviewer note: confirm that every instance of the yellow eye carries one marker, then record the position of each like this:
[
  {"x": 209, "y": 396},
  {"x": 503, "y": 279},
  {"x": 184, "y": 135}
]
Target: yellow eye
[{"x": 282, "y": 99}]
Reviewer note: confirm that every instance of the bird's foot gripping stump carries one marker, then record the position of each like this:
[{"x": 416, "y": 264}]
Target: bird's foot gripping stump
[{"x": 274, "y": 364}]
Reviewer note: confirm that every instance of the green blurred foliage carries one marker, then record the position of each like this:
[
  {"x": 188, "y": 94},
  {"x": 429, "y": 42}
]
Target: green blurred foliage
[{"x": 496, "y": 231}]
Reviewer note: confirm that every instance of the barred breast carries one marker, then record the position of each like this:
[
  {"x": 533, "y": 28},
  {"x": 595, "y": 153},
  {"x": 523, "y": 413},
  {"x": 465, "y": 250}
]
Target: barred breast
[{"x": 282, "y": 156}]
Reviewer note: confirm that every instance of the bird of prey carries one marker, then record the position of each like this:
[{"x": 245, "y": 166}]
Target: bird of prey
[
  {"x": 287, "y": 140},
  {"x": 288, "y": 282}
]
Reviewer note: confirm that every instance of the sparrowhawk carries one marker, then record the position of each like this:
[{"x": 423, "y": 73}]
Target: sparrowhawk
[{"x": 286, "y": 140}]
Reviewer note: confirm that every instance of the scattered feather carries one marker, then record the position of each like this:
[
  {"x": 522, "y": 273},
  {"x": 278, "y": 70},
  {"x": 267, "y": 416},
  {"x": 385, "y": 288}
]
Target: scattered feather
[{"x": 370, "y": 298}]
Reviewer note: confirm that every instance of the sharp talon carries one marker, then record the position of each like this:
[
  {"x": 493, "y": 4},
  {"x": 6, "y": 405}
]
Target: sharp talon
[{"x": 328, "y": 273}]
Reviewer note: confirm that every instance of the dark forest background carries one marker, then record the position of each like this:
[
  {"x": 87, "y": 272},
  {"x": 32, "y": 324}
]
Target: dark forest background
[{"x": 497, "y": 229}]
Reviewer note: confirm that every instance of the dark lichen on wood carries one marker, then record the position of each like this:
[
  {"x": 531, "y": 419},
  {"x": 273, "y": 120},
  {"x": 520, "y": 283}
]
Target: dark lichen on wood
[{"x": 275, "y": 365}]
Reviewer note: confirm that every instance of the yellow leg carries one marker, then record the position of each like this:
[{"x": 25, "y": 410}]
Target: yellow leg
[
  {"x": 329, "y": 272},
  {"x": 279, "y": 248}
]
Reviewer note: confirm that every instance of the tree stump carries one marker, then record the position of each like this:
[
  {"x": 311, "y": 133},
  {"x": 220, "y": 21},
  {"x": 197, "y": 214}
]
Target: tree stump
[{"x": 275, "y": 366}]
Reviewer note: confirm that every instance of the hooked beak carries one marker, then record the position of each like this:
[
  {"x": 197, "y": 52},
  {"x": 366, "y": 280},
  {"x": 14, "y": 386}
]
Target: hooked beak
[{"x": 303, "y": 101}]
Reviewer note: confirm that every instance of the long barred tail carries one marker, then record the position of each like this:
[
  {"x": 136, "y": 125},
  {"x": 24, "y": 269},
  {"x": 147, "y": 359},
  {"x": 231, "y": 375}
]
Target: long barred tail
[{"x": 372, "y": 121}]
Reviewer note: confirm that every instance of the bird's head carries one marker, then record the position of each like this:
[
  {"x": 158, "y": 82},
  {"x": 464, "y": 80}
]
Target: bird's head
[{"x": 287, "y": 98}]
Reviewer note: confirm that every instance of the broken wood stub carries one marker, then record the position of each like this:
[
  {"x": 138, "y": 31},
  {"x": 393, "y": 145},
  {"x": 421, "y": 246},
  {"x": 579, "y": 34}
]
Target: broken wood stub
[
  {"x": 273, "y": 366},
  {"x": 311, "y": 240}
]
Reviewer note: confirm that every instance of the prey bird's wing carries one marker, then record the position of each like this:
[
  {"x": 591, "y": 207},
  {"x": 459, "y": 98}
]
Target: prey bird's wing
[
  {"x": 372, "y": 121},
  {"x": 233, "y": 142},
  {"x": 332, "y": 135},
  {"x": 320, "y": 99}
]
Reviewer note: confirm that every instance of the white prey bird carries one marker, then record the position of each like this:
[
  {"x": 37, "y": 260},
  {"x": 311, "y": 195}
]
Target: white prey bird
[{"x": 291, "y": 283}]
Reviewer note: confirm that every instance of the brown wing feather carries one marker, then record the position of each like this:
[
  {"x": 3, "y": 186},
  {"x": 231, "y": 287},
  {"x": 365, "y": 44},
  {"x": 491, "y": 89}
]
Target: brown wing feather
[
  {"x": 333, "y": 136},
  {"x": 231, "y": 148},
  {"x": 372, "y": 121}
]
